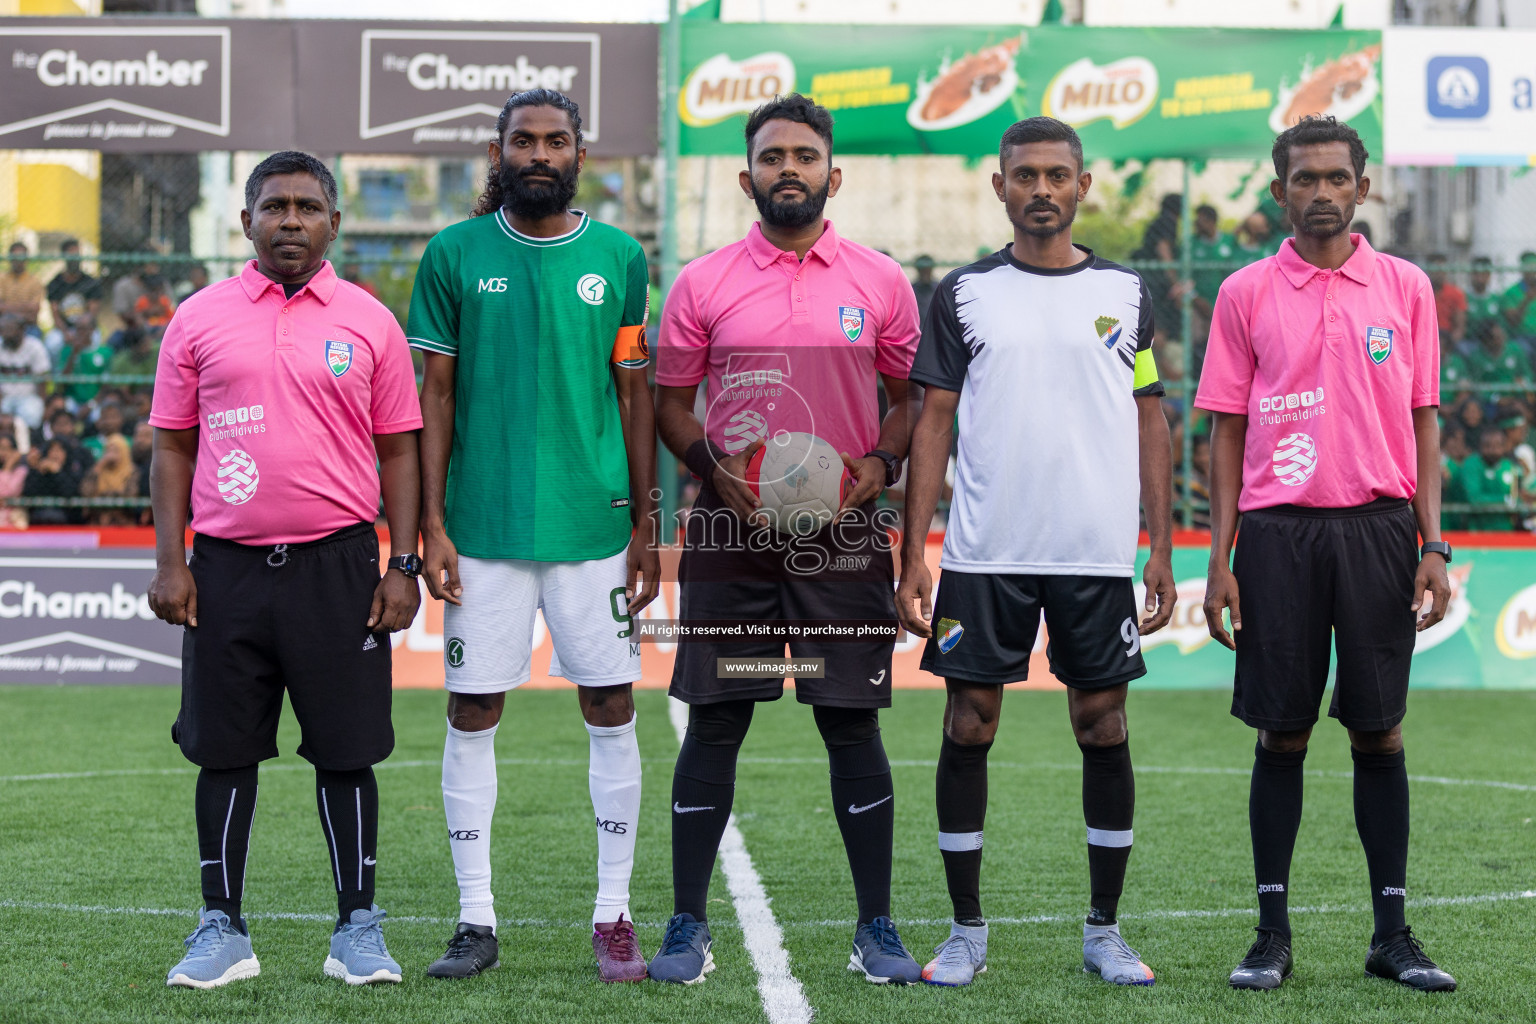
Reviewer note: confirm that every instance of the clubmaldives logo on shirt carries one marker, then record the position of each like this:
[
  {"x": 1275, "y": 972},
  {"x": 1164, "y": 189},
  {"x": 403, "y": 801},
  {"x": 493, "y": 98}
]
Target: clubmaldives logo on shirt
[
  {"x": 1378, "y": 342},
  {"x": 1295, "y": 459}
]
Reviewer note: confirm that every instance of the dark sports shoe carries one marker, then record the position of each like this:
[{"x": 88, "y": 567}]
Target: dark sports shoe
[
  {"x": 618, "y": 954},
  {"x": 685, "y": 956},
  {"x": 1400, "y": 958},
  {"x": 1267, "y": 964},
  {"x": 879, "y": 953},
  {"x": 471, "y": 950}
]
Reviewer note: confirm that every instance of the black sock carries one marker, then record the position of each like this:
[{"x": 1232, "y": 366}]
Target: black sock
[
  {"x": 226, "y": 807},
  {"x": 960, "y": 789},
  {"x": 349, "y": 813},
  {"x": 1274, "y": 816},
  {"x": 864, "y": 800},
  {"x": 1109, "y": 804},
  {"x": 1381, "y": 818},
  {"x": 703, "y": 787}
]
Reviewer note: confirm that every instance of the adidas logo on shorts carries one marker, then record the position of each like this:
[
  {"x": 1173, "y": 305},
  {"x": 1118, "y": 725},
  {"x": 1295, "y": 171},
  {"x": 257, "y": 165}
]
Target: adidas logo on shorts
[{"x": 370, "y": 643}]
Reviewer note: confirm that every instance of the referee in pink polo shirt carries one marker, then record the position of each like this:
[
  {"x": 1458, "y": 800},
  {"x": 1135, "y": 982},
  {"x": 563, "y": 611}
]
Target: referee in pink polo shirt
[
  {"x": 1323, "y": 379},
  {"x": 791, "y": 329},
  {"x": 283, "y": 397}
]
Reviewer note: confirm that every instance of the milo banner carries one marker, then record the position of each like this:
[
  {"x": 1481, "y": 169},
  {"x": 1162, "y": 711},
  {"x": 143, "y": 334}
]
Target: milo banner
[
  {"x": 1487, "y": 638},
  {"x": 1130, "y": 92}
]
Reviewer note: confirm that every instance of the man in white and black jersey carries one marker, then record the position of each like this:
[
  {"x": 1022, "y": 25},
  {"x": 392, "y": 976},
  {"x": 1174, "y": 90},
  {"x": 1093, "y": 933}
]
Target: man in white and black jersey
[{"x": 1044, "y": 351}]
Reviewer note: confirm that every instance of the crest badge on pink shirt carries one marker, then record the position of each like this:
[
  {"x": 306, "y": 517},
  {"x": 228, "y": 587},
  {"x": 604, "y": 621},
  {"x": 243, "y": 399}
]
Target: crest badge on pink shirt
[
  {"x": 338, "y": 356},
  {"x": 1378, "y": 342},
  {"x": 852, "y": 318}
]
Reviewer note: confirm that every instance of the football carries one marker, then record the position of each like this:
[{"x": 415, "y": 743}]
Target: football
[{"x": 800, "y": 480}]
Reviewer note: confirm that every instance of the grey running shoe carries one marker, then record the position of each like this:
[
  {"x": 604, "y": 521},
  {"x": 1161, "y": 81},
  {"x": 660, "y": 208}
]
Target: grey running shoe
[
  {"x": 1267, "y": 964},
  {"x": 685, "y": 957},
  {"x": 1400, "y": 958},
  {"x": 357, "y": 955},
  {"x": 472, "y": 949},
  {"x": 878, "y": 952},
  {"x": 217, "y": 954},
  {"x": 1106, "y": 954},
  {"x": 959, "y": 958}
]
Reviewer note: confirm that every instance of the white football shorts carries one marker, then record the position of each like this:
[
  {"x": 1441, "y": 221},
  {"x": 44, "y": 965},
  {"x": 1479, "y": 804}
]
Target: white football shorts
[{"x": 488, "y": 642}]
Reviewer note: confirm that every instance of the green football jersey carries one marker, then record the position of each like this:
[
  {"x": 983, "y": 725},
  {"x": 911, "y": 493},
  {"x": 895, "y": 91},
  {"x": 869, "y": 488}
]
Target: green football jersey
[{"x": 538, "y": 468}]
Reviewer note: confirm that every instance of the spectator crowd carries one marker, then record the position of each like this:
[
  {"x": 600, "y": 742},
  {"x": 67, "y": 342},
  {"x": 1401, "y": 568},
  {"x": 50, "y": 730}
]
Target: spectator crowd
[{"x": 81, "y": 437}]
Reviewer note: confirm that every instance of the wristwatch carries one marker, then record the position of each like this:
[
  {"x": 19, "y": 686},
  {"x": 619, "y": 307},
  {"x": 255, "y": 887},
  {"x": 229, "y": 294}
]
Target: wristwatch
[
  {"x": 1436, "y": 547},
  {"x": 892, "y": 465},
  {"x": 409, "y": 564}
]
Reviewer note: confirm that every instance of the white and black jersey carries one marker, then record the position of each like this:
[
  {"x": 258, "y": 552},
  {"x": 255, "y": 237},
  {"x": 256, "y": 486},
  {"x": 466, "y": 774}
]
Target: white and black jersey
[{"x": 1048, "y": 363}]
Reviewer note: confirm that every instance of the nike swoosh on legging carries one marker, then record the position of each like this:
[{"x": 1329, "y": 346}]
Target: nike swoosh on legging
[
  {"x": 680, "y": 809},
  {"x": 856, "y": 809}
]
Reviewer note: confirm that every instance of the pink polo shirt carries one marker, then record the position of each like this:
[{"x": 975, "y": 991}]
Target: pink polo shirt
[
  {"x": 287, "y": 395},
  {"x": 1328, "y": 366},
  {"x": 789, "y": 345}
]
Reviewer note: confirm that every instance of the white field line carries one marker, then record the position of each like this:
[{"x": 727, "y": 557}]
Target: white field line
[
  {"x": 1150, "y": 915},
  {"x": 545, "y": 762},
  {"x": 783, "y": 999}
]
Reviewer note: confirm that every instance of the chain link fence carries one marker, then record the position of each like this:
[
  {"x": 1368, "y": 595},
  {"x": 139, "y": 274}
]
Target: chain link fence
[{"x": 103, "y": 247}]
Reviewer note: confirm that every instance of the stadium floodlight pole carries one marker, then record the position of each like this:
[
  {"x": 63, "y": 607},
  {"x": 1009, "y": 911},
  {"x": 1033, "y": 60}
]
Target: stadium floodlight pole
[
  {"x": 1186, "y": 305},
  {"x": 671, "y": 62}
]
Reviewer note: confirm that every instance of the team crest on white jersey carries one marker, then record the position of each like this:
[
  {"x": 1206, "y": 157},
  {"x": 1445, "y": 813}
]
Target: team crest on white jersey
[
  {"x": 338, "y": 356},
  {"x": 1108, "y": 329}
]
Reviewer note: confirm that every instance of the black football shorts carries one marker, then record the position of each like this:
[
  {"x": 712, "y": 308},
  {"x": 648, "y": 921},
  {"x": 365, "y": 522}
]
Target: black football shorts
[
  {"x": 289, "y": 618},
  {"x": 984, "y": 628},
  {"x": 1313, "y": 578}
]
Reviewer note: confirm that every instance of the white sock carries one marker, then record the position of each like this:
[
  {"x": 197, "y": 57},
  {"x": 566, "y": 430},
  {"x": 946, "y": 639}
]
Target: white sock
[
  {"x": 613, "y": 774},
  {"x": 469, "y": 801}
]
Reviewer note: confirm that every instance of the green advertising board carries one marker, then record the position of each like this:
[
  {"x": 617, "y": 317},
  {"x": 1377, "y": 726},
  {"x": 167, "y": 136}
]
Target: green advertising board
[
  {"x": 1487, "y": 639},
  {"x": 1132, "y": 93}
]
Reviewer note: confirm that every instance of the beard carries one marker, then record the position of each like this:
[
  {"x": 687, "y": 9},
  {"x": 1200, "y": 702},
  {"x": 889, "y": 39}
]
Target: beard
[
  {"x": 1324, "y": 228},
  {"x": 791, "y": 216},
  {"x": 534, "y": 196},
  {"x": 1034, "y": 230}
]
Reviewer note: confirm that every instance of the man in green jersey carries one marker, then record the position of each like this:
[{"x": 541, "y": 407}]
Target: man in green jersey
[
  {"x": 1483, "y": 303},
  {"x": 538, "y": 467},
  {"x": 1519, "y": 300}
]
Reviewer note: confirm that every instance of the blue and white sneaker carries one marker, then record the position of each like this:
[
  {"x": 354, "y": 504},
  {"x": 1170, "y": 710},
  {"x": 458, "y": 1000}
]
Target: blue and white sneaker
[
  {"x": 685, "y": 957},
  {"x": 878, "y": 952},
  {"x": 358, "y": 956},
  {"x": 1106, "y": 954},
  {"x": 959, "y": 958},
  {"x": 217, "y": 954}
]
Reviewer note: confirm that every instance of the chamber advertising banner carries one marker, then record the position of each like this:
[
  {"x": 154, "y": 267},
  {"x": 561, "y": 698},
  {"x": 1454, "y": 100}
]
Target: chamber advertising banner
[
  {"x": 139, "y": 85},
  {"x": 1460, "y": 96},
  {"x": 1131, "y": 93},
  {"x": 435, "y": 87},
  {"x": 190, "y": 84},
  {"x": 81, "y": 616}
]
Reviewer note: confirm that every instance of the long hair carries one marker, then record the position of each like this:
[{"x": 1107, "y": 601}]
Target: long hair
[{"x": 491, "y": 199}]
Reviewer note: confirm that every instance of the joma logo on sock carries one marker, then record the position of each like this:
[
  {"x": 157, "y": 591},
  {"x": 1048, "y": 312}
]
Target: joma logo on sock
[
  {"x": 1390, "y": 890},
  {"x": 618, "y": 828},
  {"x": 464, "y": 833},
  {"x": 1277, "y": 887}
]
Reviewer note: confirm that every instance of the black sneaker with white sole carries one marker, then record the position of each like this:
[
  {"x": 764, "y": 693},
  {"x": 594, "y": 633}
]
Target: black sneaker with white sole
[
  {"x": 1400, "y": 958},
  {"x": 472, "y": 949},
  {"x": 1267, "y": 964}
]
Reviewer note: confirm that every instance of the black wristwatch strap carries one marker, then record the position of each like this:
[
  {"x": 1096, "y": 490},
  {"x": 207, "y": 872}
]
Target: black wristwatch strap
[
  {"x": 892, "y": 464},
  {"x": 1436, "y": 547},
  {"x": 410, "y": 564}
]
